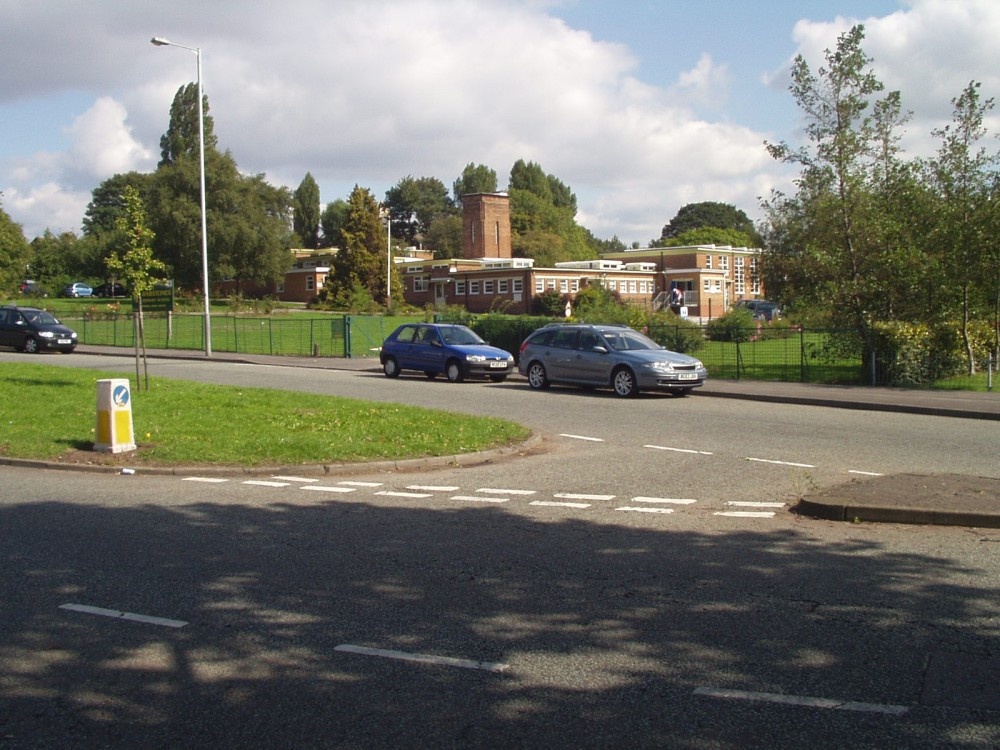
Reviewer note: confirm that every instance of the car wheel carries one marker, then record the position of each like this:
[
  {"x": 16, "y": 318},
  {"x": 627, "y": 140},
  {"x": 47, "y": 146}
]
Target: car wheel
[
  {"x": 454, "y": 371},
  {"x": 390, "y": 367},
  {"x": 623, "y": 381},
  {"x": 498, "y": 378},
  {"x": 430, "y": 374},
  {"x": 536, "y": 376},
  {"x": 30, "y": 346}
]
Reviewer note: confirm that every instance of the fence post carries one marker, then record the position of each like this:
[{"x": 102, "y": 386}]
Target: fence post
[{"x": 347, "y": 335}]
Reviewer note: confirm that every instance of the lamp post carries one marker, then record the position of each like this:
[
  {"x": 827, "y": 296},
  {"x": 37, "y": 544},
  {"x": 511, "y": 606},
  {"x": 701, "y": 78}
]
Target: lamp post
[{"x": 161, "y": 42}]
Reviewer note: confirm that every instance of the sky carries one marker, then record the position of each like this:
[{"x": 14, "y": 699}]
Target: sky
[{"x": 640, "y": 106}]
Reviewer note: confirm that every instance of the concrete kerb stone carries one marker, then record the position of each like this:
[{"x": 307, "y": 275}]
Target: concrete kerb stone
[{"x": 843, "y": 509}]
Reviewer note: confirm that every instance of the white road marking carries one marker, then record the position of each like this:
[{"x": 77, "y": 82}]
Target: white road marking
[
  {"x": 576, "y": 496},
  {"x": 445, "y": 661},
  {"x": 295, "y": 479},
  {"x": 328, "y": 488},
  {"x": 265, "y": 483},
  {"x": 392, "y": 493},
  {"x": 742, "y": 504},
  {"x": 678, "y": 450},
  {"x": 646, "y": 510},
  {"x": 802, "y": 700},
  {"x": 865, "y": 473},
  {"x": 361, "y": 484},
  {"x": 781, "y": 463},
  {"x": 582, "y": 437},
  {"x": 118, "y": 614},
  {"x": 672, "y": 500},
  {"x": 745, "y": 514},
  {"x": 207, "y": 480},
  {"x": 474, "y": 499},
  {"x": 493, "y": 491},
  {"x": 430, "y": 488},
  {"x": 560, "y": 505}
]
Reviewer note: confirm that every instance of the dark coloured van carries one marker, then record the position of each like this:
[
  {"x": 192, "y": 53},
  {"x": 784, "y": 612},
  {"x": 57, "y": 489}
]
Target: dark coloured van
[{"x": 31, "y": 330}]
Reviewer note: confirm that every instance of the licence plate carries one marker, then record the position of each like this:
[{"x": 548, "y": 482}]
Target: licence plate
[
  {"x": 688, "y": 376},
  {"x": 498, "y": 365},
  {"x": 65, "y": 341}
]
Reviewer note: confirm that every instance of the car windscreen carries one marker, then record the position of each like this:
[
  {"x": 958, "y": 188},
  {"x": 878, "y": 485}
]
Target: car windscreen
[
  {"x": 460, "y": 336},
  {"x": 627, "y": 340}
]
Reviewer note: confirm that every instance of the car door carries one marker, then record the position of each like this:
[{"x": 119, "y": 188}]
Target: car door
[
  {"x": 560, "y": 354},
  {"x": 591, "y": 360},
  {"x": 427, "y": 350},
  {"x": 5, "y": 328}
]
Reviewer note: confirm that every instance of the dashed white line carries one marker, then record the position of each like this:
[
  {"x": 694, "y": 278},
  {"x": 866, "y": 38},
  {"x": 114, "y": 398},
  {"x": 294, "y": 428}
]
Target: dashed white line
[
  {"x": 431, "y": 488},
  {"x": 781, "y": 463},
  {"x": 582, "y": 437},
  {"x": 678, "y": 450},
  {"x": 747, "y": 504},
  {"x": 553, "y": 504},
  {"x": 802, "y": 700},
  {"x": 865, "y": 473},
  {"x": 744, "y": 514},
  {"x": 635, "y": 509},
  {"x": 445, "y": 661},
  {"x": 265, "y": 483},
  {"x": 361, "y": 484},
  {"x": 328, "y": 488},
  {"x": 207, "y": 480},
  {"x": 393, "y": 493},
  {"x": 295, "y": 479},
  {"x": 474, "y": 499},
  {"x": 496, "y": 491},
  {"x": 671, "y": 500},
  {"x": 579, "y": 496},
  {"x": 119, "y": 615}
]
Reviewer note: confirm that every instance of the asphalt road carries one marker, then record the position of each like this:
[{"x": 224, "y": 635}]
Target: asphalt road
[{"x": 639, "y": 583}]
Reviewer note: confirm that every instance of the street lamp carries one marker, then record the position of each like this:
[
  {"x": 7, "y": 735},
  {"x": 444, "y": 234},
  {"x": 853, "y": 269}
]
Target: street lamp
[{"x": 161, "y": 42}]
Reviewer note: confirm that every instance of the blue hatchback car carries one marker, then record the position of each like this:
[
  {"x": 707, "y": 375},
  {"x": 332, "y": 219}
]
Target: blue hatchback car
[{"x": 433, "y": 348}]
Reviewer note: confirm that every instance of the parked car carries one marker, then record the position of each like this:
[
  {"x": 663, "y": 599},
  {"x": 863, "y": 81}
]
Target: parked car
[
  {"x": 762, "y": 309},
  {"x": 109, "y": 291},
  {"x": 79, "y": 289},
  {"x": 454, "y": 350},
  {"x": 31, "y": 330},
  {"x": 606, "y": 356},
  {"x": 31, "y": 288}
]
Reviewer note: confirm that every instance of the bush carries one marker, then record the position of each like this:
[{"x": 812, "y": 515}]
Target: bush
[
  {"x": 676, "y": 334},
  {"x": 736, "y": 326}
]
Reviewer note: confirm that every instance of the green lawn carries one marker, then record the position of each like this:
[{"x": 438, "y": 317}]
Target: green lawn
[{"x": 50, "y": 412}]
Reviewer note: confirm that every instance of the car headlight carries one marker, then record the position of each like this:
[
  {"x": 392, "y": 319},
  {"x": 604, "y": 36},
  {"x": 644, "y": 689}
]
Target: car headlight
[
  {"x": 46, "y": 334},
  {"x": 698, "y": 365},
  {"x": 660, "y": 366},
  {"x": 475, "y": 358}
]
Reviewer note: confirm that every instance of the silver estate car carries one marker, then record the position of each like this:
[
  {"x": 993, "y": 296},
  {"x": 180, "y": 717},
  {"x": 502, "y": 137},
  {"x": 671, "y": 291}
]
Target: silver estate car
[{"x": 606, "y": 356}]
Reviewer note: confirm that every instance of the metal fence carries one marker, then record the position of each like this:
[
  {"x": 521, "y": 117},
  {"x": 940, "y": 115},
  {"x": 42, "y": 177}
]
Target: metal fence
[{"x": 786, "y": 354}]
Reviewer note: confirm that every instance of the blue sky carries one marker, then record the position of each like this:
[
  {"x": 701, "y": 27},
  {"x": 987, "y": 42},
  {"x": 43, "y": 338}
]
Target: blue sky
[{"x": 639, "y": 106}]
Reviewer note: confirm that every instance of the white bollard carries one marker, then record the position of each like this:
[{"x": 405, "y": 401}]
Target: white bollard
[{"x": 114, "y": 417}]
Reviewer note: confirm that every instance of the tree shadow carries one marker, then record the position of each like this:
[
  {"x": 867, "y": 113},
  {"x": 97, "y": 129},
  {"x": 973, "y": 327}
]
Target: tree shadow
[{"x": 604, "y": 630}]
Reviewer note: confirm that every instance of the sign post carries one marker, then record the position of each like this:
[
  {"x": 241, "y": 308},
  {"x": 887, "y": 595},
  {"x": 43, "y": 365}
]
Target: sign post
[{"x": 114, "y": 417}]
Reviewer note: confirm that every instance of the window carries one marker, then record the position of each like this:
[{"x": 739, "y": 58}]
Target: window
[
  {"x": 503, "y": 286},
  {"x": 754, "y": 279},
  {"x": 575, "y": 286},
  {"x": 518, "y": 286},
  {"x": 551, "y": 284},
  {"x": 564, "y": 285},
  {"x": 420, "y": 284},
  {"x": 539, "y": 285},
  {"x": 739, "y": 279},
  {"x": 708, "y": 261},
  {"x": 488, "y": 286},
  {"x": 460, "y": 287},
  {"x": 473, "y": 287},
  {"x": 310, "y": 283},
  {"x": 632, "y": 286},
  {"x": 723, "y": 262}
]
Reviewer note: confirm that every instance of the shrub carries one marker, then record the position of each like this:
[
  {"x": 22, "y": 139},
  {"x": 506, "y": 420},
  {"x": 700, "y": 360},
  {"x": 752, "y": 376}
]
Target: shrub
[
  {"x": 675, "y": 333},
  {"x": 736, "y": 326}
]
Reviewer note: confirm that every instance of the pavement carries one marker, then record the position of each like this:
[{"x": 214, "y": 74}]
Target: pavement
[{"x": 910, "y": 498}]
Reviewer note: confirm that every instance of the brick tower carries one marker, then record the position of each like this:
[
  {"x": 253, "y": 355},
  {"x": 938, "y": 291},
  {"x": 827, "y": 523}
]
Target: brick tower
[{"x": 486, "y": 225}]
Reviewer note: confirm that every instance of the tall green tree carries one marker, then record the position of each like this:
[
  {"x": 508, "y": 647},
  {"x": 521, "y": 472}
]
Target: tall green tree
[
  {"x": 708, "y": 214},
  {"x": 963, "y": 175},
  {"x": 828, "y": 243},
  {"x": 15, "y": 253},
  {"x": 332, "y": 221},
  {"x": 359, "y": 269},
  {"x": 475, "y": 178},
  {"x": 181, "y": 139},
  {"x": 543, "y": 218},
  {"x": 414, "y": 204},
  {"x": 307, "y": 212}
]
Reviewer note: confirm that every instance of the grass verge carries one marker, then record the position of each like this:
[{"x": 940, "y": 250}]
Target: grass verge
[{"x": 50, "y": 413}]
